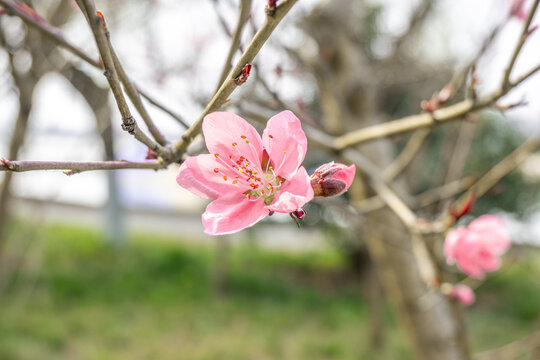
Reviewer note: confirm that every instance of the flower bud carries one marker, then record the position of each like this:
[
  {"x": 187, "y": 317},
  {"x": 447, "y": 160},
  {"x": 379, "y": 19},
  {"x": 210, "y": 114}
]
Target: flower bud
[
  {"x": 299, "y": 213},
  {"x": 332, "y": 179}
]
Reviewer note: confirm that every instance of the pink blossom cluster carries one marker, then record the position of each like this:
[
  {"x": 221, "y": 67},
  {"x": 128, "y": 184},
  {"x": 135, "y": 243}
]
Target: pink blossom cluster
[
  {"x": 477, "y": 247},
  {"x": 250, "y": 177}
]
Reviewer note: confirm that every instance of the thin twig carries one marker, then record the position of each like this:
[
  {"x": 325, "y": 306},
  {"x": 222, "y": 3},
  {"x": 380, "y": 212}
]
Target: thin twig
[
  {"x": 487, "y": 181},
  {"x": 424, "y": 120},
  {"x": 512, "y": 350},
  {"x": 73, "y": 167},
  {"x": 523, "y": 37},
  {"x": 378, "y": 184},
  {"x": 56, "y": 35},
  {"x": 407, "y": 154},
  {"x": 426, "y": 198},
  {"x": 245, "y": 8},
  {"x": 128, "y": 122},
  {"x": 229, "y": 85},
  {"x": 503, "y": 168},
  {"x": 134, "y": 96}
]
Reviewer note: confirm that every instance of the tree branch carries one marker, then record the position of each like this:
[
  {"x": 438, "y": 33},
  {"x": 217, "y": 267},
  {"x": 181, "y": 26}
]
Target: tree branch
[
  {"x": 128, "y": 122},
  {"x": 512, "y": 350},
  {"x": 73, "y": 167},
  {"x": 424, "y": 120},
  {"x": 245, "y": 8},
  {"x": 228, "y": 85},
  {"x": 56, "y": 35},
  {"x": 519, "y": 45}
]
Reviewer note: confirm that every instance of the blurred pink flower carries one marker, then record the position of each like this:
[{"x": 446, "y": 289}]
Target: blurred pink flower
[
  {"x": 463, "y": 294},
  {"x": 248, "y": 177},
  {"x": 518, "y": 10},
  {"x": 477, "y": 248},
  {"x": 332, "y": 179}
]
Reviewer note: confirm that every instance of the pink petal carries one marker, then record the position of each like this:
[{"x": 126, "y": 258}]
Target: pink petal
[
  {"x": 285, "y": 142},
  {"x": 492, "y": 231},
  {"x": 451, "y": 243},
  {"x": 197, "y": 175},
  {"x": 293, "y": 194},
  {"x": 486, "y": 222},
  {"x": 223, "y": 129},
  {"x": 346, "y": 174},
  {"x": 232, "y": 213}
]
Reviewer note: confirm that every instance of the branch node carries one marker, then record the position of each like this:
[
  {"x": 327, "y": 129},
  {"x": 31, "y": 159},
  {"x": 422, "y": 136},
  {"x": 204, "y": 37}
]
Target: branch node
[
  {"x": 7, "y": 164},
  {"x": 128, "y": 125}
]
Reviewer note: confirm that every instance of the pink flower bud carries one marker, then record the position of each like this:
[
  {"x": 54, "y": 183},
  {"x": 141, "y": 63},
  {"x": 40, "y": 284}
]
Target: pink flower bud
[
  {"x": 332, "y": 179},
  {"x": 463, "y": 294}
]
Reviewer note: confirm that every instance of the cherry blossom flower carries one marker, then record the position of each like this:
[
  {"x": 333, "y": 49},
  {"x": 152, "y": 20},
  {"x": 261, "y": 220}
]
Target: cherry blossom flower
[
  {"x": 248, "y": 177},
  {"x": 463, "y": 294},
  {"x": 332, "y": 179},
  {"x": 477, "y": 248}
]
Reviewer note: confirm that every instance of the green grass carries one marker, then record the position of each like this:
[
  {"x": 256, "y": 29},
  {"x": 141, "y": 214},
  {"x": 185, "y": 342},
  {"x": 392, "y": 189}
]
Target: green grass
[{"x": 78, "y": 297}]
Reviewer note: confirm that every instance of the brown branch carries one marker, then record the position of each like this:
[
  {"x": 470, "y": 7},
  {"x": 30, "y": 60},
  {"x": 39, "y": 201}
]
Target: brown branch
[
  {"x": 503, "y": 168},
  {"x": 128, "y": 122},
  {"x": 134, "y": 95},
  {"x": 406, "y": 155},
  {"x": 426, "y": 198},
  {"x": 56, "y": 35},
  {"x": 377, "y": 183},
  {"x": 424, "y": 120},
  {"x": 245, "y": 8},
  {"x": 512, "y": 350},
  {"x": 523, "y": 37},
  {"x": 486, "y": 182},
  {"x": 228, "y": 85},
  {"x": 73, "y": 167}
]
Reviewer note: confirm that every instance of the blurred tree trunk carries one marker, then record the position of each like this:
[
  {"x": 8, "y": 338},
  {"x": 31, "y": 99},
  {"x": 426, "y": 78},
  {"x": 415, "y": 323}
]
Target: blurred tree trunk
[
  {"x": 98, "y": 100},
  {"x": 355, "y": 89},
  {"x": 24, "y": 83}
]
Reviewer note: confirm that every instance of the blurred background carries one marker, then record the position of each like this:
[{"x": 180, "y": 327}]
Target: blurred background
[{"x": 115, "y": 265}]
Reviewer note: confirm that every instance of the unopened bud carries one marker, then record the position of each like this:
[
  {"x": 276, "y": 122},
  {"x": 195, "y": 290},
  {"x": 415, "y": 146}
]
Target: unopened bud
[
  {"x": 332, "y": 179},
  {"x": 464, "y": 208},
  {"x": 299, "y": 213}
]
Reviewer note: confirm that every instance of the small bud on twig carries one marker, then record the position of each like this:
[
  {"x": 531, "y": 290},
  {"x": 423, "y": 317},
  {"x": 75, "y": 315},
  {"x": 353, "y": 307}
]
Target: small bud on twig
[
  {"x": 270, "y": 9},
  {"x": 242, "y": 78},
  {"x": 150, "y": 154},
  {"x": 463, "y": 209},
  {"x": 437, "y": 99}
]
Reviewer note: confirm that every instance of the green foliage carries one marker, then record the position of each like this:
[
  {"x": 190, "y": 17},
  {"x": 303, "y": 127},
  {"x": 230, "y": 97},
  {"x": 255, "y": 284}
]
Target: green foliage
[{"x": 156, "y": 298}]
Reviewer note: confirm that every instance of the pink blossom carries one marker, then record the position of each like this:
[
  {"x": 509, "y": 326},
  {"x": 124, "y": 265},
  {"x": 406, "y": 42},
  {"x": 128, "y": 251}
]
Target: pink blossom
[
  {"x": 332, "y": 179},
  {"x": 463, "y": 294},
  {"x": 249, "y": 177},
  {"x": 518, "y": 10},
  {"x": 477, "y": 248}
]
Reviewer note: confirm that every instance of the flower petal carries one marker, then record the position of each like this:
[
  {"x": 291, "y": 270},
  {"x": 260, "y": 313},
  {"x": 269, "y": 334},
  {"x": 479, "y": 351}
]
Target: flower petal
[
  {"x": 232, "y": 213},
  {"x": 223, "y": 129},
  {"x": 346, "y": 174},
  {"x": 451, "y": 243},
  {"x": 285, "y": 142},
  {"x": 198, "y": 176},
  {"x": 294, "y": 193}
]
